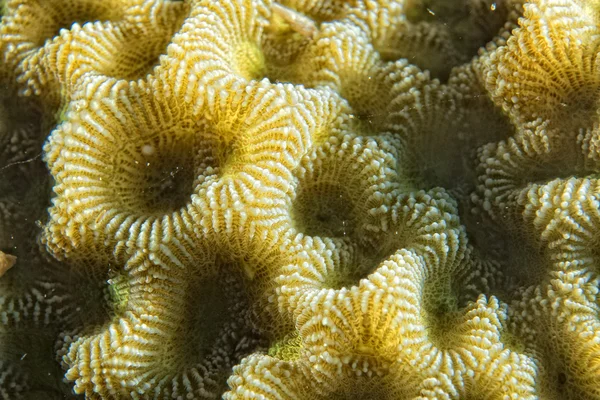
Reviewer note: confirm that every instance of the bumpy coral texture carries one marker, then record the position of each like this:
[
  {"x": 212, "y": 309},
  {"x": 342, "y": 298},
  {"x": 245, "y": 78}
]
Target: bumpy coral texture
[{"x": 304, "y": 199}]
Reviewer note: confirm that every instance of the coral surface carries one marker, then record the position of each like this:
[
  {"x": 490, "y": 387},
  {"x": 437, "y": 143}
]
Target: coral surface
[{"x": 299, "y": 199}]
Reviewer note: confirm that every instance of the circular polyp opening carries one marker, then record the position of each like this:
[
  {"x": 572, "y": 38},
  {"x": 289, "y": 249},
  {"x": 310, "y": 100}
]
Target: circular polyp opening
[
  {"x": 135, "y": 59},
  {"x": 132, "y": 54},
  {"x": 440, "y": 310},
  {"x": 88, "y": 287},
  {"x": 324, "y": 209},
  {"x": 248, "y": 61},
  {"x": 214, "y": 327},
  {"x": 454, "y": 30},
  {"x": 348, "y": 276},
  {"x": 368, "y": 99},
  {"x": 580, "y": 104},
  {"x": 48, "y": 17},
  {"x": 156, "y": 176}
]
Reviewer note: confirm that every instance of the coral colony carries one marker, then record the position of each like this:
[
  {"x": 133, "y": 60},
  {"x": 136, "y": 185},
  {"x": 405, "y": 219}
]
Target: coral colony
[{"x": 303, "y": 199}]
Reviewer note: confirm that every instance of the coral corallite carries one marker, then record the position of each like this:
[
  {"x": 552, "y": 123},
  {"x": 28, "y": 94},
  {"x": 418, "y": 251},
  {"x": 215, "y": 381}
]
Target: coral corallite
[{"x": 299, "y": 199}]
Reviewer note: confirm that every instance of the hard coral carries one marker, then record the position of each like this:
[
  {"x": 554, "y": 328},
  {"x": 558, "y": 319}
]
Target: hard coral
[{"x": 299, "y": 200}]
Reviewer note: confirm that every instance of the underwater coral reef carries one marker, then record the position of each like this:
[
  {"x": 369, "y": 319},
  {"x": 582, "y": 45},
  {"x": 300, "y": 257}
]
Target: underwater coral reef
[{"x": 299, "y": 199}]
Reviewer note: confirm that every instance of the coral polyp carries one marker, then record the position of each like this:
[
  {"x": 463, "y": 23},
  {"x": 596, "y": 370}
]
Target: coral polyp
[{"x": 299, "y": 199}]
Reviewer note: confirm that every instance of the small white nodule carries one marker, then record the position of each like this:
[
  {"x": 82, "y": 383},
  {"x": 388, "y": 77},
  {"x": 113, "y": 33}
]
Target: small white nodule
[{"x": 148, "y": 149}]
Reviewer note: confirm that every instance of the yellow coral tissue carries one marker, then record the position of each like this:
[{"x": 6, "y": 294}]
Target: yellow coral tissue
[{"x": 299, "y": 199}]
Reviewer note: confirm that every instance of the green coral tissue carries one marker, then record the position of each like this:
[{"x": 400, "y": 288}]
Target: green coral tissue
[{"x": 299, "y": 199}]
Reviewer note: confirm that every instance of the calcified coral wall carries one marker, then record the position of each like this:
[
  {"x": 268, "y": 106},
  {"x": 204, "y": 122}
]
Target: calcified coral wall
[{"x": 300, "y": 199}]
